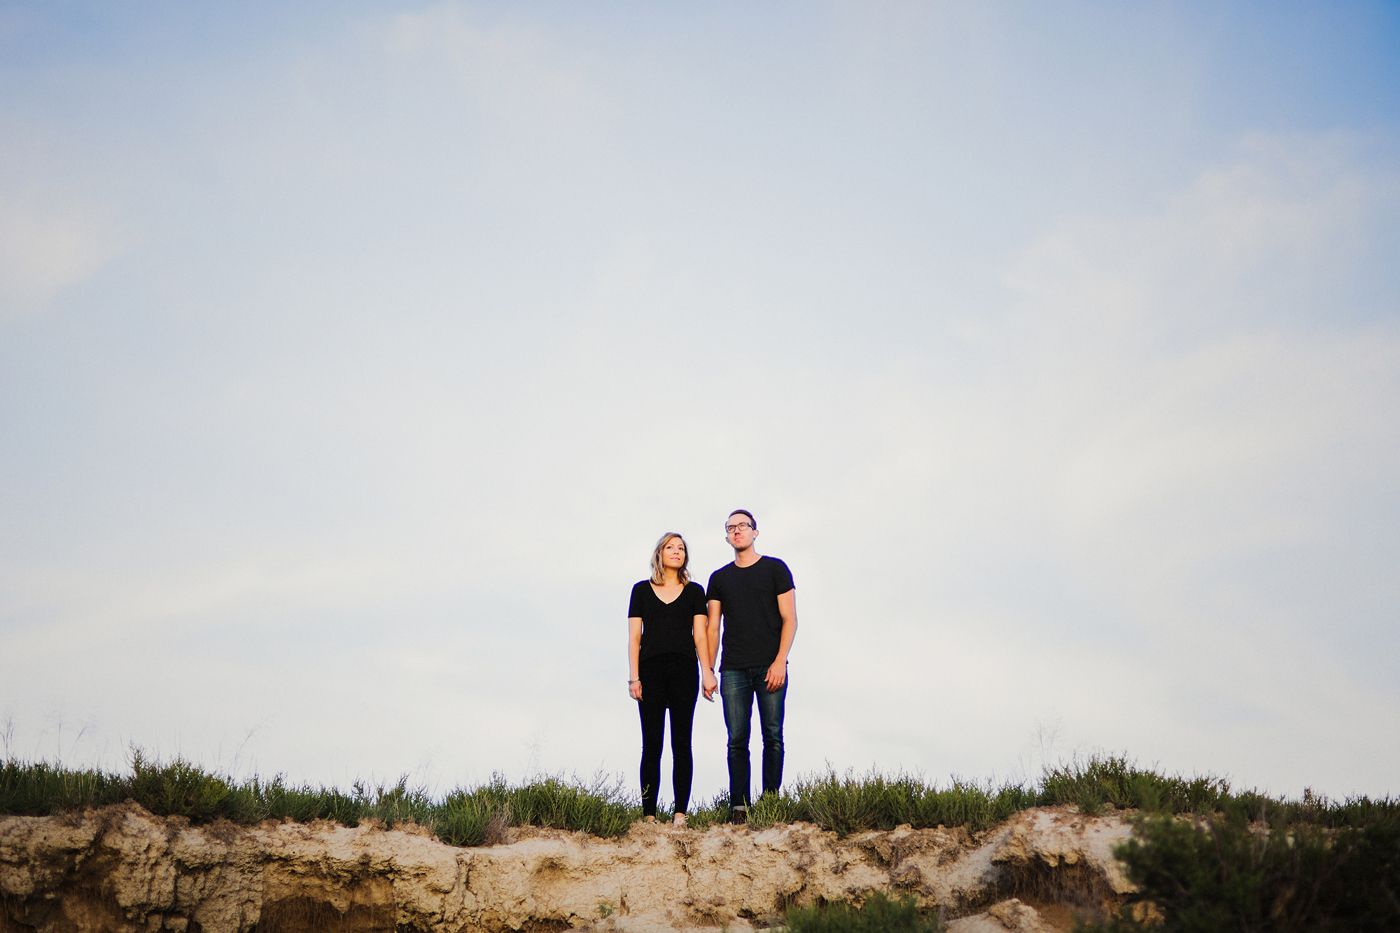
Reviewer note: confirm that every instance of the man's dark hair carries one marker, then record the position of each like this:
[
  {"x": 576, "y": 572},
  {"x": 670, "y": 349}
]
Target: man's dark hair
[{"x": 747, "y": 514}]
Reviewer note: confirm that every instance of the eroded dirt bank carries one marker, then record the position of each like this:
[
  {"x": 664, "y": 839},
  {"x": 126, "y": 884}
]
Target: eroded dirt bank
[{"x": 121, "y": 869}]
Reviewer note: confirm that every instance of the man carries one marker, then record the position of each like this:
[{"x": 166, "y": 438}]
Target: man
[{"x": 755, "y": 597}]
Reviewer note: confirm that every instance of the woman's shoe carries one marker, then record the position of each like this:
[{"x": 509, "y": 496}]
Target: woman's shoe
[
  {"x": 679, "y": 820},
  {"x": 648, "y": 819}
]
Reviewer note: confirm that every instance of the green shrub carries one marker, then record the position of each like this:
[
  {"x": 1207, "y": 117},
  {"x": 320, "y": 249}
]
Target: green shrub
[
  {"x": 977, "y": 807},
  {"x": 878, "y": 914},
  {"x": 179, "y": 789},
  {"x": 1256, "y": 867},
  {"x": 40, "y": 788},
  {"x": 602, "y": 808},
  {"x": 704, "y": 815},
  {"x": 848, "y": 804},
  {"x": 1113, "y": 779}
]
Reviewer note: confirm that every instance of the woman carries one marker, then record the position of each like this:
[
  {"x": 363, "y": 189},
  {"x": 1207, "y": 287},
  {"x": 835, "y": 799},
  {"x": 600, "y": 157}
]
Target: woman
[{"x": 666, "y": 625}]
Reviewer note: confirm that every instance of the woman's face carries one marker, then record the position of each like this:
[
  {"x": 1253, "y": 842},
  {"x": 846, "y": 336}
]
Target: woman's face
[{"x": 673, "y": 554}]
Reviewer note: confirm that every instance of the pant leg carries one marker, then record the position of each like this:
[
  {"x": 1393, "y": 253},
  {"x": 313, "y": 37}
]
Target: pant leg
[
  {"x": 736, "y": 690},
  {"x": 652, "y": 707},
  {"x": 684, "y": 691},
  {"x": 771, "y": 707}
]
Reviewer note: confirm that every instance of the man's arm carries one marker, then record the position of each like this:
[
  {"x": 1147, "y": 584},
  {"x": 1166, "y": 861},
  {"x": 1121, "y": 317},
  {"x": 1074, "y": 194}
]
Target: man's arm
[
  {"x": 712, "y": 645},
  {"x": 777, "y": 671},
  {"x": 701, "y": 625}
]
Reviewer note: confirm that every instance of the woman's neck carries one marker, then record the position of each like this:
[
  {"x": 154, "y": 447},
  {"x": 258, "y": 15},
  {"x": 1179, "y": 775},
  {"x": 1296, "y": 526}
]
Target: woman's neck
[{"x": 670, "y": 577}]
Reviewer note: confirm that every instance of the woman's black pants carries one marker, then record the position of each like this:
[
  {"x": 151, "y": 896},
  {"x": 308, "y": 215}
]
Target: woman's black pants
[{"x": 670, "y": 683}]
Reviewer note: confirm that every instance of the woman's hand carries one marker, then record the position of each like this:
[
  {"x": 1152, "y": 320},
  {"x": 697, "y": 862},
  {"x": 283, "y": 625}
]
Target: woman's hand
[
  {"x": 635, "y": 689},
  {"x": 710, "y": 685}
]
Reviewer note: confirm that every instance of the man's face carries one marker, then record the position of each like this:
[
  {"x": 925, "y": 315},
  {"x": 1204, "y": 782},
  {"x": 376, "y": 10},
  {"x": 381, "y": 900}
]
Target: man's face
[{"x": 740, "y": 532}]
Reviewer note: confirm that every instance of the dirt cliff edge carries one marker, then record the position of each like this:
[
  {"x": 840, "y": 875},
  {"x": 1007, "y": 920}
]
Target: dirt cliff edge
[{"x": 123, "y": 870}]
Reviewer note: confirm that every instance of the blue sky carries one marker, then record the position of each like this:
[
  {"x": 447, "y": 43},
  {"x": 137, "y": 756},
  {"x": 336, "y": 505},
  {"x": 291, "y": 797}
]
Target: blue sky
[{"x": 353, "y": 357}]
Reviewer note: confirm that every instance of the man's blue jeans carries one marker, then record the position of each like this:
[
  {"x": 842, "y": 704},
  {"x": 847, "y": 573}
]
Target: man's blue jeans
[{"x": 738, "y": 689}]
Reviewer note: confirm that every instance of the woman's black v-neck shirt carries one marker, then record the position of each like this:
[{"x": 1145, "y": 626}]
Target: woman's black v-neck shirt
[{"x": 667, "y": 628}]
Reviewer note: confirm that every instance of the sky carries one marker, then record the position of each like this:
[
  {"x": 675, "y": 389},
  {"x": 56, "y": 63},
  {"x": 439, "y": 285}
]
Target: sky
[{"x": 353, "y": 357}]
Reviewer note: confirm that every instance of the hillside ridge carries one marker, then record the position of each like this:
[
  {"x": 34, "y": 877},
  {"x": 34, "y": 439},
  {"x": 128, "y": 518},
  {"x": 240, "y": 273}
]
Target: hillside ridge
[{"x": 122, "y": 869}]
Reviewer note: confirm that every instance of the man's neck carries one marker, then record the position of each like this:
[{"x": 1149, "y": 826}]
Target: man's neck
[{"x": 746, "y": 558}]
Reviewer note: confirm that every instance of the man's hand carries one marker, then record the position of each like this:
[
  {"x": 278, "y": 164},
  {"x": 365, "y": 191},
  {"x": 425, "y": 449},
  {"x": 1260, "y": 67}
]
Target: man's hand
[
  {"x": 710, "y": 686},
  {"x": 777, "y": 676}
]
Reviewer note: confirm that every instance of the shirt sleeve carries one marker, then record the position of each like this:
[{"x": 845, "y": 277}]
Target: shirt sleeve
[
  {"x": 697, "y": 593},
  {"x": 782, "y": 578},
  {"x": 634, "y": 607},
  {"x": 713, "y": 591}
]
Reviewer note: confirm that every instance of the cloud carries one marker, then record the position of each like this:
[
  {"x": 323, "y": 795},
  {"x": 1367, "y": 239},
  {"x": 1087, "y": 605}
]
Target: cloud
[
  {"x": 1197, "y": 423},
  {"x": 1256, "y": 241},
  {"x": 523, "y": 79},
  {"x": 1203, "y": 386},
  {"x": 48, "y": 245}
]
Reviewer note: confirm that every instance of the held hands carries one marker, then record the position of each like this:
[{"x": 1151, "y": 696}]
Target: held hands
[
  {"x": 634, "y": 687},
  {"x": 709, "y": 686},
  {"x": 777, "y": 675}
]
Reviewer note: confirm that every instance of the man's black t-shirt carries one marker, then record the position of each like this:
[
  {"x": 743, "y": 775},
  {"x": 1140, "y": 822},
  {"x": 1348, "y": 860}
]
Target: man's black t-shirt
[
  {"x": 748, "y": 597},
  {"x": 667, "y": 628}
]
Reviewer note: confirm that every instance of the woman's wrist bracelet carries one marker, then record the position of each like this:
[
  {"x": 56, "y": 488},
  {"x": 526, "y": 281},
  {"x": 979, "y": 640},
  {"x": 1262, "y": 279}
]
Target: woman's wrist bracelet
[{"x": 637, "y": 681}]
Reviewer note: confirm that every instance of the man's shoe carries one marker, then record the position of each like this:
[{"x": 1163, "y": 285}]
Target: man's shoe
[{"x": 739, "y": 816}]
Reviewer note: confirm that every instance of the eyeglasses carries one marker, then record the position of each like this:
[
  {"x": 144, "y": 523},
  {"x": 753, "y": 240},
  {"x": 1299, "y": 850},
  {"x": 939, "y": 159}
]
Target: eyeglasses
[{"x": 730, "y": 529}]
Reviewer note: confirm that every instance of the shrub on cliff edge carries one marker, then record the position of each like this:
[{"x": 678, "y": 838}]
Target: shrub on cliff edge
[{"x": 1309, "y": 866}]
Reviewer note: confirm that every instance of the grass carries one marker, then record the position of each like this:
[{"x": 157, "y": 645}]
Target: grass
[
  {"x": 851, "y": 803},
  {"x": 180, "y": 788},
  {"x": 878, "y": 914},
  {"x": 848, "y": 804},
  {"x": 464, "y": 817},
  {"x": 603, "y": 806},
  {"x": 475, "y": 817}
]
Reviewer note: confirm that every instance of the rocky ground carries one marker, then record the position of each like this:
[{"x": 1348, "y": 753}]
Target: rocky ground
[{"x": 122, "y": 869}]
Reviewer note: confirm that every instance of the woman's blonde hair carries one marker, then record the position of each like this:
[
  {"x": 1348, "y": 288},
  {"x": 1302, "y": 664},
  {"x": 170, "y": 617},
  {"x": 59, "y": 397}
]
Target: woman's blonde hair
[{"x": 658, "y": 573}]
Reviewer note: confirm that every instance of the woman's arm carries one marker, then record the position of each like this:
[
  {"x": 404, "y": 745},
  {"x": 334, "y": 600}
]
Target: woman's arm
[
  {"x": 711, "y": 643},
  {"x": 634, "y": 652},
  {"x": 702, "y": 651}
]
